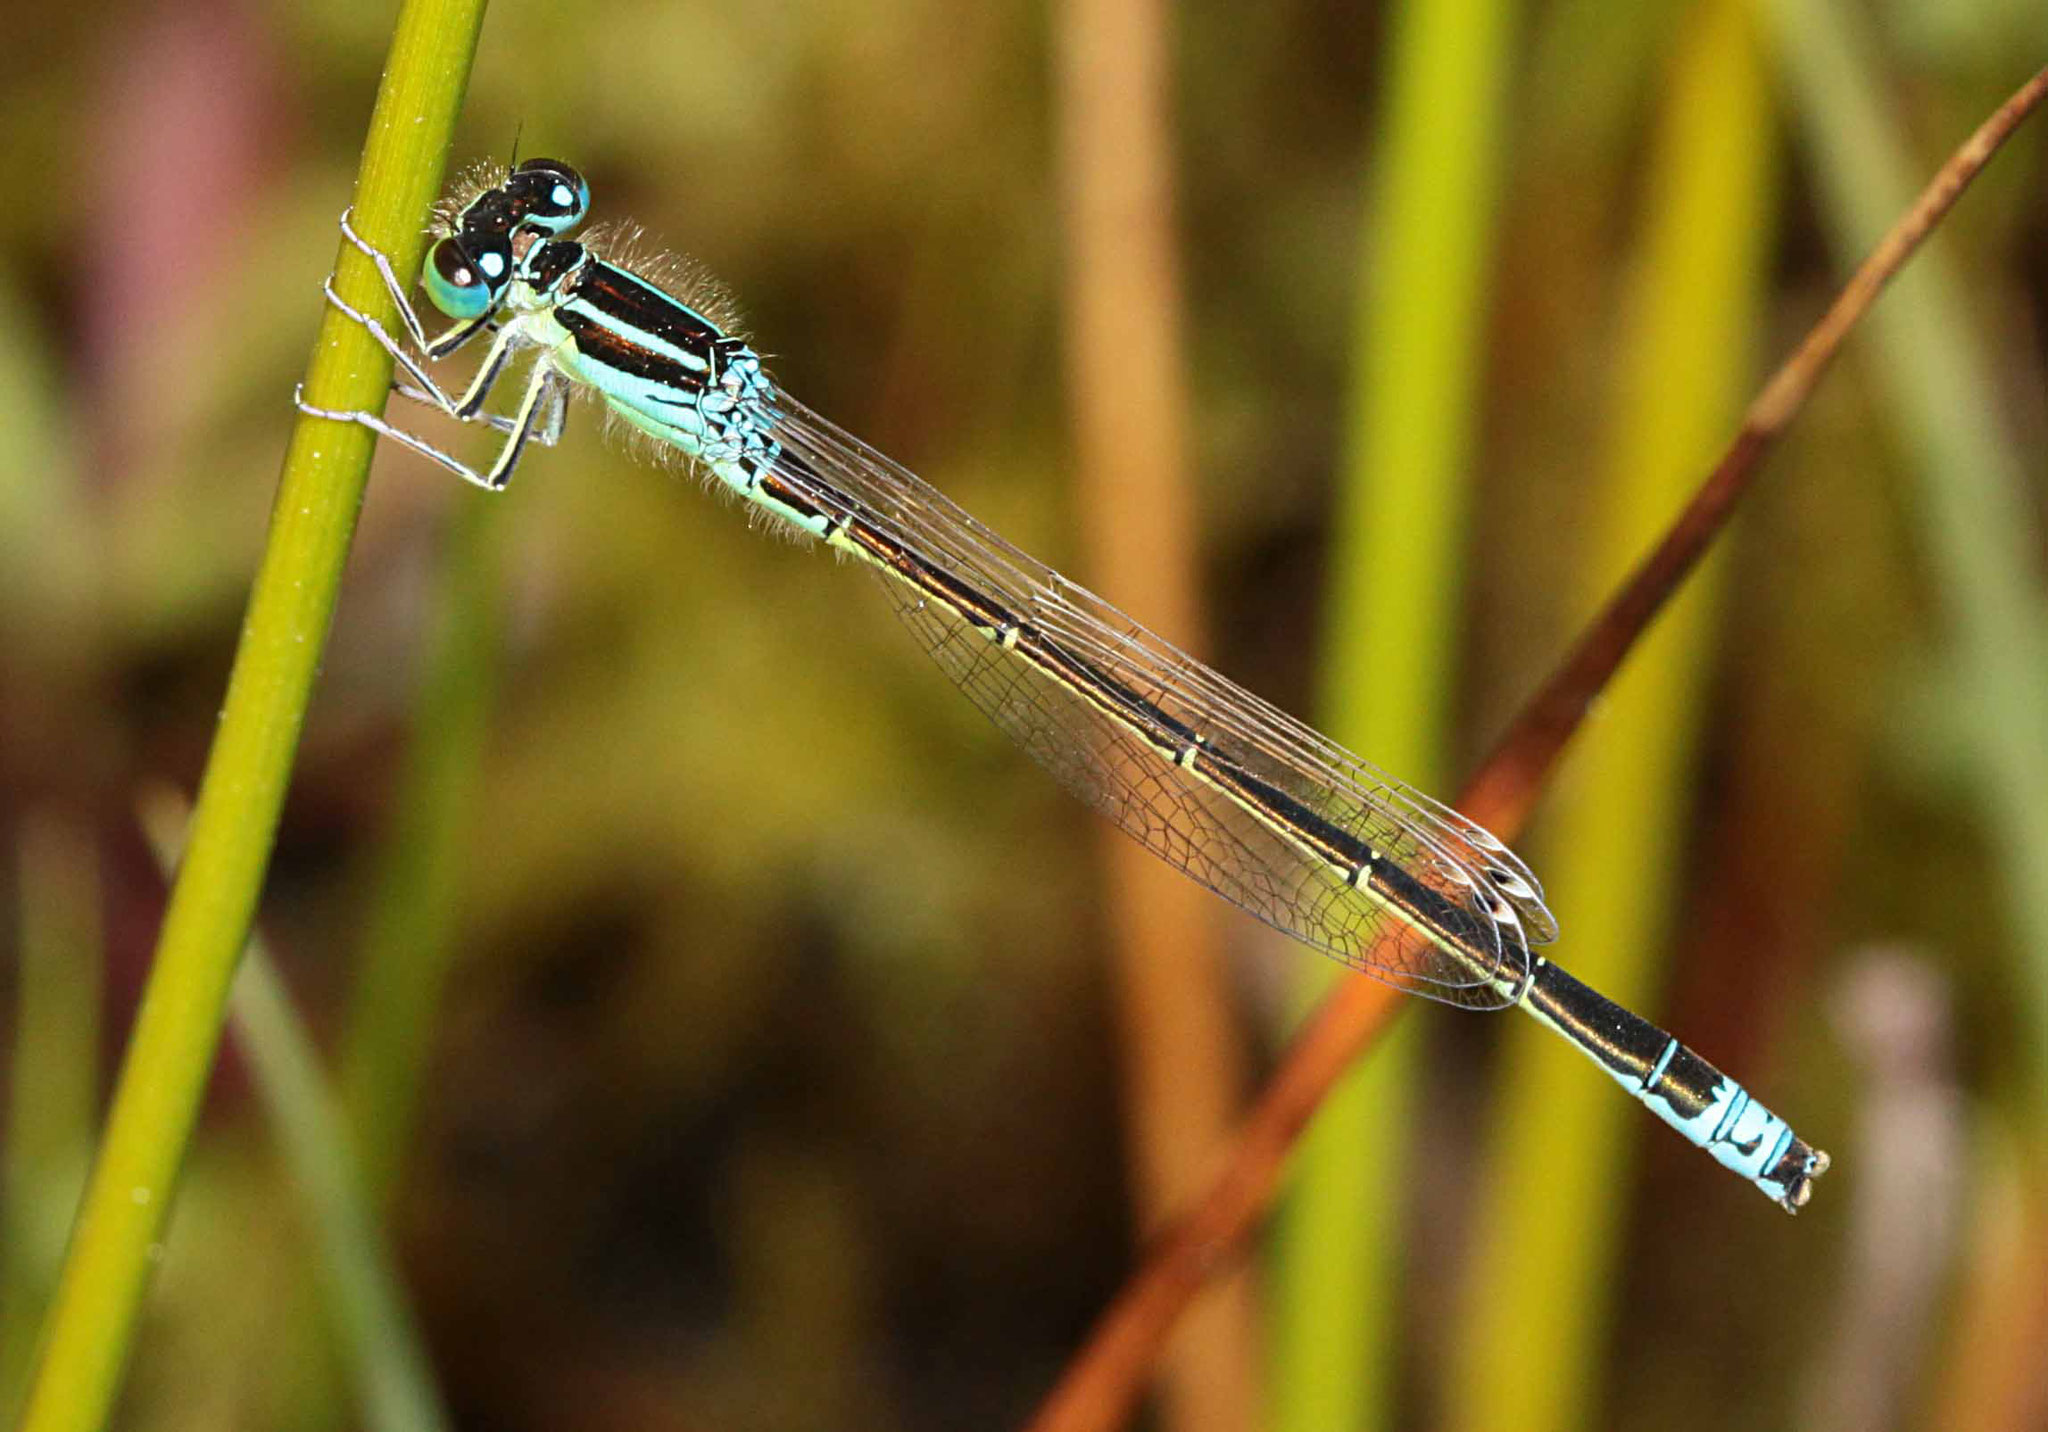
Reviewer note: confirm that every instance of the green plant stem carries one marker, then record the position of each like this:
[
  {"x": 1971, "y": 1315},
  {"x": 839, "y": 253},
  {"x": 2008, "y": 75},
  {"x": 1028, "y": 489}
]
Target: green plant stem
[
  {"x": 411, "y": 941},
  {"x": 379, "y": 1333},
  {"x": 53, "y": 1082},
  {"x": 92, "y": 1323},
  {"x": 1547, "y": 1266},
  {"x": 1393, "y": 614}
]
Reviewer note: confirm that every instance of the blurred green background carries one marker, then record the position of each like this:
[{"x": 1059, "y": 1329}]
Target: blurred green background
[{"x": 726, "y": 1015}]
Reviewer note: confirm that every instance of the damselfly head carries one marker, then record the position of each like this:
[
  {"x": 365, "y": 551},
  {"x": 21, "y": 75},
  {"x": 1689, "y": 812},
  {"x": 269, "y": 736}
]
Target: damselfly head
[{"x": 492, "y": 234}]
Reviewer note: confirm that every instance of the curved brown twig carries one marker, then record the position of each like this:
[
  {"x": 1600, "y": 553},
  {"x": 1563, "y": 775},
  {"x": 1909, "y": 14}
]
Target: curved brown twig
[
  {"x": 1102, "y": 1382},
  {"x": 1507, "y": 782}
]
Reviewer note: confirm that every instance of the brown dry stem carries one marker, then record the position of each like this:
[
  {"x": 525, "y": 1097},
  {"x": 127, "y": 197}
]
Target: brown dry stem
[{"x": 1104, "y": 1379}]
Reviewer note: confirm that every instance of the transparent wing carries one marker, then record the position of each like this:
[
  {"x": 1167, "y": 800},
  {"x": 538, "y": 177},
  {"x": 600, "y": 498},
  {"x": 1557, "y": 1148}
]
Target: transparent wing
[
  {"x": 1197, "y": 829},
  {"x": 1187, "y": 821},
  {"x": 1342, "y": 782},
  {"x": 975, "y": 552}
]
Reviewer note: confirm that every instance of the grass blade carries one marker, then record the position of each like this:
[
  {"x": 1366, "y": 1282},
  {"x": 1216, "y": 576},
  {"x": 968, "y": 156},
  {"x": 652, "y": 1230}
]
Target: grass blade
[
  {"x": 1098, "y": 1384},
  {"x": 1979, "y": 535},
  {"x": 411, "y": 940}
]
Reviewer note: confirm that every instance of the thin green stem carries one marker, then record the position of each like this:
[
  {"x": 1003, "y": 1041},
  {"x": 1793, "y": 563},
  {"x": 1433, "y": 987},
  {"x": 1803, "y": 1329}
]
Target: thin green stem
[
  {"x": 411, "y": 941},
  {"x": 92, "y": 1323},
  {"x": 53, "y": 1082},
  {"x": 1394, "y": 608},
  {"x": 1547, "y": 1266},
  {"x": 379, "y": 1333}
]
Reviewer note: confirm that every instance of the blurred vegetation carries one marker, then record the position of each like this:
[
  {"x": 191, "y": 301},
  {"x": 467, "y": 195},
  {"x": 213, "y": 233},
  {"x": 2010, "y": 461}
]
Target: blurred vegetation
[
  {"x": 755, "y": 1067},
  {"x": 1685, "y": 325},
  {"x": 1407, "y": 481}
]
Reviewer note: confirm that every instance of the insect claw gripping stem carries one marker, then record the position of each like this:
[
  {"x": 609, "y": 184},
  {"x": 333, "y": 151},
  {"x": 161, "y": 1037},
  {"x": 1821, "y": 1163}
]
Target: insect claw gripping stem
[
  {"x": 375, "y": 255},
  {"x": 398, "y": 435},
  {"x": 403, "y": 359}
]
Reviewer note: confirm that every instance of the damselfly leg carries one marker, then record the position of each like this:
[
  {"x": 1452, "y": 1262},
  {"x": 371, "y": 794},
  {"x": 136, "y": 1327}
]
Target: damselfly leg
[{"x": 539, "y": 417}]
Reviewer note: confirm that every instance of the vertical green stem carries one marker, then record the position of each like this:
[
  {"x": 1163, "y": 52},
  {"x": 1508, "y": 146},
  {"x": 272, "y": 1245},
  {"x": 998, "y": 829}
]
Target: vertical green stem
[
  {"x": 411, "y": 940},
  {"x": 1544, "y": 1265},
  {"x": 99, "y": 1297},
  {"x": 1393, "y": 611},
  {"x": 53, "y": 1084},
  {"x": 377, "y": 1328},
  {"x": 1979, "y": 535}
]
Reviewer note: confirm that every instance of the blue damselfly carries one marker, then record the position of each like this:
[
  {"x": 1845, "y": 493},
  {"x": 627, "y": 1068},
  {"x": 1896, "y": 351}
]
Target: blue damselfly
[{"x": 1225, "y": 787}]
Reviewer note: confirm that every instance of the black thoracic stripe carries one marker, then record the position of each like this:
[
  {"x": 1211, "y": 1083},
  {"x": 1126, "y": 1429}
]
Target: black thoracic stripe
[
  {"x": 595, "y": 340},
  {"x": 619, "y": 295}
]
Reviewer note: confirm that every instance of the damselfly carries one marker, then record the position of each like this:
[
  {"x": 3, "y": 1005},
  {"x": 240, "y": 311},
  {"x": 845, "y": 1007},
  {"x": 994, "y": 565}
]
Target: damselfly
[{"x": 1251, "y": 803}]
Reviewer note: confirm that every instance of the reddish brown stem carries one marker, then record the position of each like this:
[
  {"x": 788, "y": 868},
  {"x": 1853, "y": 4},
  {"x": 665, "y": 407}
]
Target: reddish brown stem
[
  {"x": 1508, "y": 781},
  {"x": 1102, "y": 1383}
]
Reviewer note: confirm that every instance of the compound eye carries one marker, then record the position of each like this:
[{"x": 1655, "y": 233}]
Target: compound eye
[
  {"x": 548, "y": 195},
  {"x": 461, "y": 284}
]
